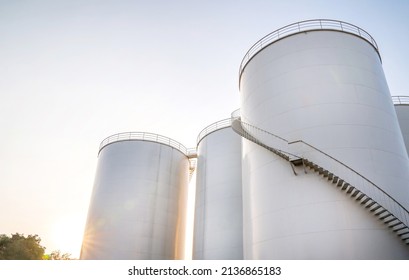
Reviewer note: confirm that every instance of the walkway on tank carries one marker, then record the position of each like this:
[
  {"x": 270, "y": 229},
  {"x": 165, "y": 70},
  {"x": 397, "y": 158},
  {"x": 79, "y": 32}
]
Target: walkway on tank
[{"x": 365, "y": 192}]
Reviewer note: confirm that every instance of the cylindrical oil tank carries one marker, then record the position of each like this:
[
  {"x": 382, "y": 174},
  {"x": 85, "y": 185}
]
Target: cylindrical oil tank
[
  {"x": 138, "y": 204},
  {"x": 322, "y": 82},
  {"x": 218, "y": 209},
  {"x": 402, "y": 111}
]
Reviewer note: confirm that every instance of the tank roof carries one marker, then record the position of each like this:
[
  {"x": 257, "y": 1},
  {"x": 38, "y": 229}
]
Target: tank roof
[
  {"x": 212, "y": 128},
  {"x": 144, "y": 136},
  {"x": 303, "y": 26}
]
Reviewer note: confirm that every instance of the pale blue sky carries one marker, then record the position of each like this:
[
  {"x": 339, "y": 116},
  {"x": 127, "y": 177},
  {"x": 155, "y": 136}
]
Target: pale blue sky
[{"x": 74, "y": 72}]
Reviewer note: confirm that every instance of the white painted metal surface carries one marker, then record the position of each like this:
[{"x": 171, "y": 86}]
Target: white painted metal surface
[
  {"x": 138, "y": 205},
  {"x": 402, "y": 111},
  {"x": 326, "y": 88},
  {"x": 218, "y": 210}
]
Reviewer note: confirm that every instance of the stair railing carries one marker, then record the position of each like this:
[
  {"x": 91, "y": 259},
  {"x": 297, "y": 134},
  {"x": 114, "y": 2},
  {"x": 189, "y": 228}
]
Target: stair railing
[
  {"x": 306, "y": 151},
  {"x": 273, "y": 142},
  {"x": 357, "y": 180}
]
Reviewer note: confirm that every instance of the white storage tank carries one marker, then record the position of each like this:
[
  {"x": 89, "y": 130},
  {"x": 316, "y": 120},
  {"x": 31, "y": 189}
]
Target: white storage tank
[
  {"x": 218, "y": 209},
  {"x": 321, "y": 81},
  {"x": 402, "y": 111},
  {"x": 138, "y": 204}
]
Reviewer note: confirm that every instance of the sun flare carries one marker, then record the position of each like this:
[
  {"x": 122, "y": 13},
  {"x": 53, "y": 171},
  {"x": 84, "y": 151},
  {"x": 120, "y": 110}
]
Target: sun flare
[{"x": 67, "y": 235}]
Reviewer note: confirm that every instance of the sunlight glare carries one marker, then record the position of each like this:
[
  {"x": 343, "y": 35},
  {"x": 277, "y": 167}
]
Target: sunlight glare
[{"x": 67, "y": 236}]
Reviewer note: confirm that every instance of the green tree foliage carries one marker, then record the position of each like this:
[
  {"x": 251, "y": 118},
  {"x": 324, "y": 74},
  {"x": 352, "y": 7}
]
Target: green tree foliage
[
  {"x": 57, "y": 255},
  {"x": 19, "y": 247}
]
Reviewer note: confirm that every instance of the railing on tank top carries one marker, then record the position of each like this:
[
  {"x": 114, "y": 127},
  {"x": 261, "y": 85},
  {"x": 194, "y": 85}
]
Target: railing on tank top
[
  {"x": 303, "y": 26},
  {"x": 212, "y": 128},
  {"x": 400, "y": 100},
  {"x": 144, "y": 136},
  {"x": 303, "y": 150}
]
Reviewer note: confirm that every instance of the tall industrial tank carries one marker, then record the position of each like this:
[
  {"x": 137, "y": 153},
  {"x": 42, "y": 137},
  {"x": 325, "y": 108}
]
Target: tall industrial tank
[
  {"x": 218, "y": 209},
  {"x": 138, "y": 204},
  {"x": 330, "y": 195},
  {"x": 402, "y": 111}
]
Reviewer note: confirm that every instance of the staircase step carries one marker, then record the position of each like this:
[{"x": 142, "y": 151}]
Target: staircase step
[
  {"x": 366, "y": 200},
  {"x": 386, "y": 216},
  {"x": 370, "y": 204},
  {"x": 380, "y": 212},
  {"x": 376, "y": 208},
  {"x": 391, "y": 220},
  {"x": 345, "y": 186},
  {"x": 403, "y": 233},
  {"x": 359, "y": 197},
  {"x": 400, "y": 228},
  {"x": 394, "y": 224},
  {"x": 355, "y": 193}
]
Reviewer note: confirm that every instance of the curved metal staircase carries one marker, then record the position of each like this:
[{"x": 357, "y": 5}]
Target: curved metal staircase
[{"x": 359, "y": 188}]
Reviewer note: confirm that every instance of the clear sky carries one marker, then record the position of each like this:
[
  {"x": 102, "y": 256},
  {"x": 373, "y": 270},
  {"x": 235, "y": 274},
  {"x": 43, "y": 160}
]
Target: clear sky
[{"x": 73, "y": 72}]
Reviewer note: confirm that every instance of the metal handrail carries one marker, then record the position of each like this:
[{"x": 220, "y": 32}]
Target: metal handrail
[
  {"x": 367, "y": 187},
  {"x": 143, "y": 136},
  {"x": 376, "y": 193},
  {"x": 400, "y": 100},
  {"x": 236, "y": 113},
  {"x": 303, "y": 26},
  {"x": 212, "y": 128}
]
